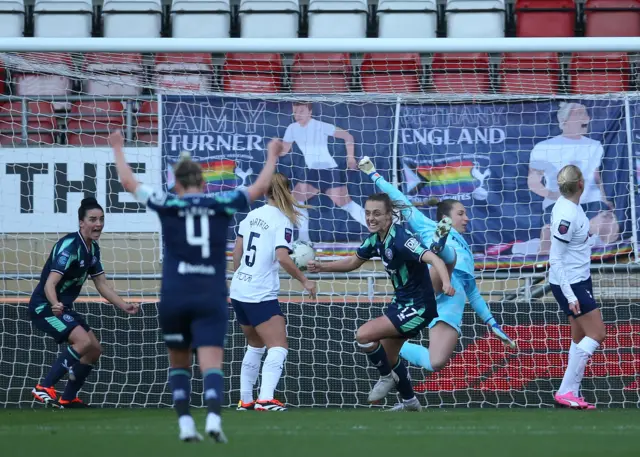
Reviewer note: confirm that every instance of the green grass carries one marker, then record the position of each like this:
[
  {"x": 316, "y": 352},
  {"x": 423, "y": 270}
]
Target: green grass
[{"x": 325, "y": 433}]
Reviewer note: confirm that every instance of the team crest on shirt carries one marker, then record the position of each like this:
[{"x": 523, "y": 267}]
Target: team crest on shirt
[
  {"x": 563, "y": 228},
  {"x": 62, "y": 259},
  {"x": 67, "y": 317},
  {"x": 288, "y": 235},
  {"x": 388, "y": 253}
]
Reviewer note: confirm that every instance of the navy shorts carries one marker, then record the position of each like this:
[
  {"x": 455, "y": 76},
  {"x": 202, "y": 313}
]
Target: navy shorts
[
  {"x": 591, "y": 210},
  {"x": 58, "y": 327},
  {"x": 410, "y": 320},
  {"x": 584, "y": 293},
  {"x": 193, "y": 325},
  {"x": 321, "y": 179},
  {"x": 254, "y": 314}
]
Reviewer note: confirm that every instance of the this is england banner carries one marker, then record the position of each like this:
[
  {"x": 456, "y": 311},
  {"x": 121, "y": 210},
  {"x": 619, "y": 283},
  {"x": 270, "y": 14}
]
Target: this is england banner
[
  {"x": 501, "y": 161},
  {"x": 498, "y": 159}
]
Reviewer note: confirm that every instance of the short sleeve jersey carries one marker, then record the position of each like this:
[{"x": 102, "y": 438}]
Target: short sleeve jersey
[
  {"x": 570, "y": 226},
  {"x": 264, "y": 230},
  {"x": 194, "y": 229},
  {"x": 313, "y": 141},
  {"x": 400, "y": 252},
  {"x": 75, "y": 261}
]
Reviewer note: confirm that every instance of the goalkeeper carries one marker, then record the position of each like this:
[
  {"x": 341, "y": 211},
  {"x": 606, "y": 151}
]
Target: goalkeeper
[{"x": 445, "y": 329}]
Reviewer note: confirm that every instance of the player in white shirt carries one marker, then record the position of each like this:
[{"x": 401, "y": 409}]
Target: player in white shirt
[
  {"x": 262, "y": 246},
  {"x": 570, "y": 278},
  {"x": 572, "y": 148},
  {"x": 320, "y": 173}
]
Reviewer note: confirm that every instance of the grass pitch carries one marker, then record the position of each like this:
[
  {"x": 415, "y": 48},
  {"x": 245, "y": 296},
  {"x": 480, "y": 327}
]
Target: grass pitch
[{"x": 325, "y": 433}]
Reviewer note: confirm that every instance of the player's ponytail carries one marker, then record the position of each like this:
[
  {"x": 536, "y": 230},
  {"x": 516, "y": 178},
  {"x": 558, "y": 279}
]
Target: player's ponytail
[
  {"x": 569, "y": 179},
  {"x": 444, "y": 207},
  {"x": 280, "y": 193},
  {"x": 87, "y": 204},
  {"x": 187, "y": 172}
]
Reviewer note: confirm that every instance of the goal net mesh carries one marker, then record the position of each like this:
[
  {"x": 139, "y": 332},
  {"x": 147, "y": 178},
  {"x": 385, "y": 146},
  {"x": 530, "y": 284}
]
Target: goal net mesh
[{"x": 490, "y": 131}]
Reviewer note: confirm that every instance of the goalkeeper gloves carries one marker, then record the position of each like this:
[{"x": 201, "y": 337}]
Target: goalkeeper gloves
[{"x": 497, "y": 331}]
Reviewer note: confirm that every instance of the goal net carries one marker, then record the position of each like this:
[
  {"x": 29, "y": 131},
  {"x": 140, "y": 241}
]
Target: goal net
[{"x": 488, "y": 130}]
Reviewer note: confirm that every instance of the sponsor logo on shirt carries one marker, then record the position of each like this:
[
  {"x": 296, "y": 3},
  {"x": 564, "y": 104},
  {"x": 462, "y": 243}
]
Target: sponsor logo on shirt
[{"x": 185, "y": 268}]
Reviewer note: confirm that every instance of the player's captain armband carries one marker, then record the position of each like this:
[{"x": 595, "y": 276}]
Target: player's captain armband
[{"x": 145, "y": 194}]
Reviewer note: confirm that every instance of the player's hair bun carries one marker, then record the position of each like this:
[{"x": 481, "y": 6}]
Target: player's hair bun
[
  {"x": 89, "y": 201},
  {"x": 432, "y": 202}
]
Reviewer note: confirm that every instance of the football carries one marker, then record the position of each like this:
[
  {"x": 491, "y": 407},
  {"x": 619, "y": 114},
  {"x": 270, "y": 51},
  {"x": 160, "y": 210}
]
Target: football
[{"x": 303, "y": 252}]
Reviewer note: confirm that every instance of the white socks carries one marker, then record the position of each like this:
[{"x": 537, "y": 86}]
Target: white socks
[
  {"x": 579, "y": 355},
  {"x": 303, "y": 224},
  {"x": 249, "y": 372},
  {"x": 355, "y": 211},
  {"x": 271, "y": 372}
]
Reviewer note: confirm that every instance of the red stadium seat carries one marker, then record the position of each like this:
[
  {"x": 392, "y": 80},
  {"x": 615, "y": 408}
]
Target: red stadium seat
[
  {"x": 545, "y": 18},
  {"x": 612, "y": 18},
  {"x": 320, "y": 73},
  {"x": 147, "y": 130},
  {"x": 530, "y": 73},
  {"x": 116, "y": 73},
  {"x": 466, "y": 73},
  {"x": 31, "y": 76},
  {"x": 90, "y": 122},
  {"x": 598, "y": 73},
  {"x": 184, "y": 72},
  {"x": 391, "y": 73},
  {"x": 41, "y": 123},
  {"x": 256, "y": 73}
]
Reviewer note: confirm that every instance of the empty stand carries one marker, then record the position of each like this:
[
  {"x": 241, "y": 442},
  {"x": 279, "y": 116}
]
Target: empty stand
[
  {"x": 147, "y": 125},
  {"x": 598, "y": 73},
  {"x": 269, "y": 18},
  {"x": 391, "y": 73},
  {"x": 200, "y": 18},
  {"x": 257, "y": 73},
  {"x": 11, "y": 18},
  {"x": 545, "y": 18},
  {"x": 42, "y": 74},
  {"x": 113, "y": 74},
  {"x": 338, "y": 18},
  {"x": 129, "y": 19},
  {"x": 530, "y": 73},
  {"x": 183, "y": 73},
  {"x": 63, "y": 18},
  {"x": 39, "y": 127},
  {"x": 321, "y": 73},
  {"x": 475, "y": 18},
  {"x": 90, "y": 122},
  {"x": 612, "y": 18},
  {"x": 407, "y": 19},
  {"x": 466, "y": 73}
]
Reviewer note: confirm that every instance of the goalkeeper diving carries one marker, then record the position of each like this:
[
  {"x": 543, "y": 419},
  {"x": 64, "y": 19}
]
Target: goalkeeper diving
[{"x": 445, "y": 329}]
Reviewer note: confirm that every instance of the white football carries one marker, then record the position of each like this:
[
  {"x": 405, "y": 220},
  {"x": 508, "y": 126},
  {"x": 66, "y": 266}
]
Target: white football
[{"x": 303, "y": 252}]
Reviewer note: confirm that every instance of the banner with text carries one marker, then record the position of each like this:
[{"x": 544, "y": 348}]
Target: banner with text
[
  {"x": 229, "y": 137},
  {"x": 501, "y": 161},
  {"x": 42, "y": 188}
]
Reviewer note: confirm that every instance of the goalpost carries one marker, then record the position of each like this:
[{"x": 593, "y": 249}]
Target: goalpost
[{"x": 464, "y": 126}]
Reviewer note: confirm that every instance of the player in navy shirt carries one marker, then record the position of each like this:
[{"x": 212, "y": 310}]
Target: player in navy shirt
[
  {"x": 73, "y": 258},
  {"x": 413, "y": 306},
  {"x": 193, "y": 309}
]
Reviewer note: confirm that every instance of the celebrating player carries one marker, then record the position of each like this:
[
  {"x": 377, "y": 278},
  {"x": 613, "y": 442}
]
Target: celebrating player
[
  {"x": 321, "y": 173},
  {"x": 414, "y": 304},
  {"x": 445, "y": 329},
  {"x": 72, "y": 259},
  {"x": 193, "y": 310},
  {"x": 263, "y": 244},
  {"x": 570, "y": 278}
]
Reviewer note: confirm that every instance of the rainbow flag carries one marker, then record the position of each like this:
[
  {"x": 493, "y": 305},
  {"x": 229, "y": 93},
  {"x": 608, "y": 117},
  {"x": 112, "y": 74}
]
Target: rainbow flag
[
  {"x": 219, "y": 175},
  {"x": 449, "y": 179}
]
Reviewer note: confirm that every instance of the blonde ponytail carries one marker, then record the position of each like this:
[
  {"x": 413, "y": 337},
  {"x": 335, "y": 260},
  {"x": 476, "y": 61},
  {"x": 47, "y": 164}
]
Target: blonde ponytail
[{"x": 283, "y": 199}]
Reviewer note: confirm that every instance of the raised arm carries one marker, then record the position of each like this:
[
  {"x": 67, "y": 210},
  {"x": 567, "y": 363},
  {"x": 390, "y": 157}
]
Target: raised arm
[
  {"x": 260, "y": 187},
  {"x": 125, "y": 173},
  {"x": 339, "y": 266}
]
